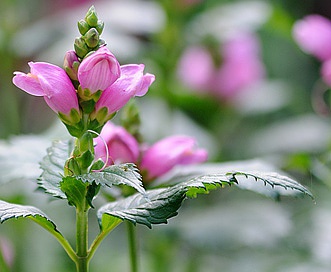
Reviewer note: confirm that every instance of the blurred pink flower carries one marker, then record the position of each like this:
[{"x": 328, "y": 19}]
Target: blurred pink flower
[
  {"x": 122, "y": 146},
  {"x": 313, "y": 34},
  {"x": 196, "y": 68},
  {"x": 241, "y": 67},
  {"x": 154, "y": 161},
  {"x": 99, "y": 70},
  {"x": 169, "y": 152},
  {"x": 52, "y": 83}
]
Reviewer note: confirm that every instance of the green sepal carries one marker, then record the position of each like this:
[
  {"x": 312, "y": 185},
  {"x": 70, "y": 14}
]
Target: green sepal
[
  {"x": 91, "y": 38},
  {"x": 83, "y": 27}
]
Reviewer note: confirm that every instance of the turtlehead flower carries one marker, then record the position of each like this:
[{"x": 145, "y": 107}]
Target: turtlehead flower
[
  {"x": 52, "y": 83},
  {"x": 132, "y": 82},
  {"x": 155, "y": 160},
  {"x": 313, "y": 35},
  {"x": 241, "y": 66},
  {"x": 122, "y": 146},
  {"x": 169, "y": 152},
  {"x": 98, "y": 71}
]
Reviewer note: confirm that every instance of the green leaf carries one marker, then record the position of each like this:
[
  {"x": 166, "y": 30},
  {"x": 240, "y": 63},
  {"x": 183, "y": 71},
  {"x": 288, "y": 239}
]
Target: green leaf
[
  {"x": 158, "y": 205},
  {"x": 261, "y": 177},
  {"x": 155, "y": 208},
  {"x": 275, "y": 183},
  {"x": 124, "y": 174},
  {"x": 10, "y": 211},
  {"x": 78, "y": 192},
  {"x": 14, "y": 211},
  {"x": 53, "y": 165}
]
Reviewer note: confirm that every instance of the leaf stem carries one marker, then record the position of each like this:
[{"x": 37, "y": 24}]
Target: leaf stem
[{"x": 132, "y": 246}]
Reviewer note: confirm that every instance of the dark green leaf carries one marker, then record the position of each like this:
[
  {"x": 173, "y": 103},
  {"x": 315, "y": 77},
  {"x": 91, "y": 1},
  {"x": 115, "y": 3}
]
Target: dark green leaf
[
  {"x": 155, "y": 208},
  {"x": 158, "y": 205},
  {"x": 53, "y": 165},
  {"x": 124, "y": 174}
]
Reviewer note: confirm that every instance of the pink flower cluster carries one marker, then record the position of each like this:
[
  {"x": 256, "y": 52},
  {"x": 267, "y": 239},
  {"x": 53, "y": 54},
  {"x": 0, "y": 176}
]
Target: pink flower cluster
[
  {"x": 155, "y": 160},
  {"x": 240, "y": 67},
  {"x": 313, "y": 35},
  {"x": 99, "y": 71}
]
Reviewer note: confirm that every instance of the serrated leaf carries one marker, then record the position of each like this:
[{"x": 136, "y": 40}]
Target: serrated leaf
[
  {"x": 276, "y": 184},
  {"x": 158, "y": 205},
  {"x": 10, "y": 211},
  {"x": 53, "y": 165},
  {"x": 155, "y": 208},
  {"x": 123, "y": 174},
  {"x": 279, "y": 183},
  {"x": 78, "y": 192}
]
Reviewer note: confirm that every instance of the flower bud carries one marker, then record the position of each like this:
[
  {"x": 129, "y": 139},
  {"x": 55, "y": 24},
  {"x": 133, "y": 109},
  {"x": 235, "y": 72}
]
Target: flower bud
[
  {"x": 91, "y": 38},
  {"x": 81, "y": 48},
  {"x": 98, "y": 70},
  {"x": 91, "y": 17},
  {"x": 71, "y": 64},
  {"x": 169, "y": 152},
  {"x": 83, "y": 27},
  {"x": 122, "y": 146}
]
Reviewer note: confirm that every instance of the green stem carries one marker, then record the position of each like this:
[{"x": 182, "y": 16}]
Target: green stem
[
  {"x": 132, "y": 246},
  {"x": 82, "y": 240}
]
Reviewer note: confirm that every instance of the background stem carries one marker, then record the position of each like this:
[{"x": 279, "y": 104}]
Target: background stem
[{"x": 132, "y": 246}]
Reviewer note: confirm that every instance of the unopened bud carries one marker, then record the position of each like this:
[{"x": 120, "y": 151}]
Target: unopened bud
[
  {"x": 91, "y": 38},
  {"x": 71, "y": 64},
  {"x": 81, "y": 48},
  {"x": 83, "y": 27},
  {"x": 91, "y": 17}
]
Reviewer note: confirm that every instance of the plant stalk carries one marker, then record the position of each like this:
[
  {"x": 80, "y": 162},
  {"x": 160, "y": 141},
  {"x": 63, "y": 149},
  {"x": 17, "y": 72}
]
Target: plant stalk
[
  {"x": 132, "y": 246},
  {"x": 82, "y": 240}
]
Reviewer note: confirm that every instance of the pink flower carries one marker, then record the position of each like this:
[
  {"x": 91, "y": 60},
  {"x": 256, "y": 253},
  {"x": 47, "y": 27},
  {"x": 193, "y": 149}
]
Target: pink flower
[
  {"x": 132, "y": 82},
  {"x": 313, "y": 34},
  {"x": 52, "y": 83},
  {"x": 122, "y": 146},
  {"x": 241, "y": 67},
  {"x": 98, "y": 71},
  {"x": 196, "y": 68},
  {"x": 169, "y": 152},
  {"x": 156, "y": 160}
]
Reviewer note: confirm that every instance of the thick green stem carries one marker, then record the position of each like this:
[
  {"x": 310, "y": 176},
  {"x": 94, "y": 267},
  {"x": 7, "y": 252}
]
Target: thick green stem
[
  {"x": 132, "y": 246},
  {"x": 82, "y": 240}
]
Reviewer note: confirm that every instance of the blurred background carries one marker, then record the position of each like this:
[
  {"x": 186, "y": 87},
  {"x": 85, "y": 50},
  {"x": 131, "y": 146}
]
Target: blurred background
[{"x": 228, "y": 73}]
